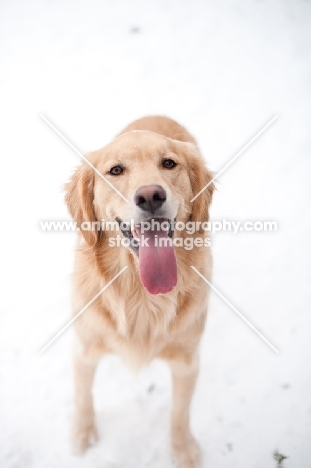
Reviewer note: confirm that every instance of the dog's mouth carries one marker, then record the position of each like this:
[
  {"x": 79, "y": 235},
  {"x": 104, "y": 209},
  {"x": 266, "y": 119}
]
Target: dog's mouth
[{"x": 154, "y": 247}]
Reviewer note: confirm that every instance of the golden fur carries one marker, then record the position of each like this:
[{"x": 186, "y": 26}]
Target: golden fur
[{"x": 126, "y": 319}]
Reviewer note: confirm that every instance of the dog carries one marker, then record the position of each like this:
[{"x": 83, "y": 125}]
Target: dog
[{"x": 157, "y": 306}]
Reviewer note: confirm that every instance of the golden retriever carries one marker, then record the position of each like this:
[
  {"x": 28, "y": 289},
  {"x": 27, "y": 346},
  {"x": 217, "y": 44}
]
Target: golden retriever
[{"x": 156, "y": 308}]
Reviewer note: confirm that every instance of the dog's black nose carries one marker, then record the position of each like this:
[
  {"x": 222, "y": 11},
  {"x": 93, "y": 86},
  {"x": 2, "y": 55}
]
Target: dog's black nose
[{"x": 150, "y": 197}]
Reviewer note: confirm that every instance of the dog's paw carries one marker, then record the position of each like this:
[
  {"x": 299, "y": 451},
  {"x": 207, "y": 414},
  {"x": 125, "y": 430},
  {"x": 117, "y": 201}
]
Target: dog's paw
[
  {"x": 187, "y": 455},
  {"x": 83, "y": 436}
]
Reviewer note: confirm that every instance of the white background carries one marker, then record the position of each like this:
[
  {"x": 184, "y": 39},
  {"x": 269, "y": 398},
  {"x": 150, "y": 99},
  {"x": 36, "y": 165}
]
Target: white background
[{"x": 223, "y": 69}]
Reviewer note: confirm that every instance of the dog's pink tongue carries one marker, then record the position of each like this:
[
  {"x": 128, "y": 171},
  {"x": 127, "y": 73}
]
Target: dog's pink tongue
[{"x": 157, "y": 261}]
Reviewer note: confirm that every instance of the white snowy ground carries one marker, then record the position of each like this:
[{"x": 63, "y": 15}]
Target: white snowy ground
[{"x": 223, "y": 69}]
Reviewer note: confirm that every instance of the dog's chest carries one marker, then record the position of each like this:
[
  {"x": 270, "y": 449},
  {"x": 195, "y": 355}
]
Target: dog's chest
[{"x": 142, "y": 325}]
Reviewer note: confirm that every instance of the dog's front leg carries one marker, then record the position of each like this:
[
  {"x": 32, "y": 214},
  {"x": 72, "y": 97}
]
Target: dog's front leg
[
  {"x": 84, "y": 431},
  {"x": 186, "y": 451}
]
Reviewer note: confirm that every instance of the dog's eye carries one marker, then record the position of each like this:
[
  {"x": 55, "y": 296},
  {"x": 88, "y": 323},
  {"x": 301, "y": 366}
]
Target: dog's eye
[
  {"x": 168, "y": 163},
  {"x": 116, "y": 170}
]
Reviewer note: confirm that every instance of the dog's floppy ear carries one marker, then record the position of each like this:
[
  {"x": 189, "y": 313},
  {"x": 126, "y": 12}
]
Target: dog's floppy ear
[
  {"x": 79, "y": 199},
  {"x": 200, "y": 176}
]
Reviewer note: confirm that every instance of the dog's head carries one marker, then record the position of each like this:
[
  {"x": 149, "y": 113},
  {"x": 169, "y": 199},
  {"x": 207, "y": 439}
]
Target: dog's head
[{"x": 147, "y": 178}]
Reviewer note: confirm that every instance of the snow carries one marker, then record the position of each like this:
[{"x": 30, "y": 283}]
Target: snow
[{"x": 223, "y": 69}]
